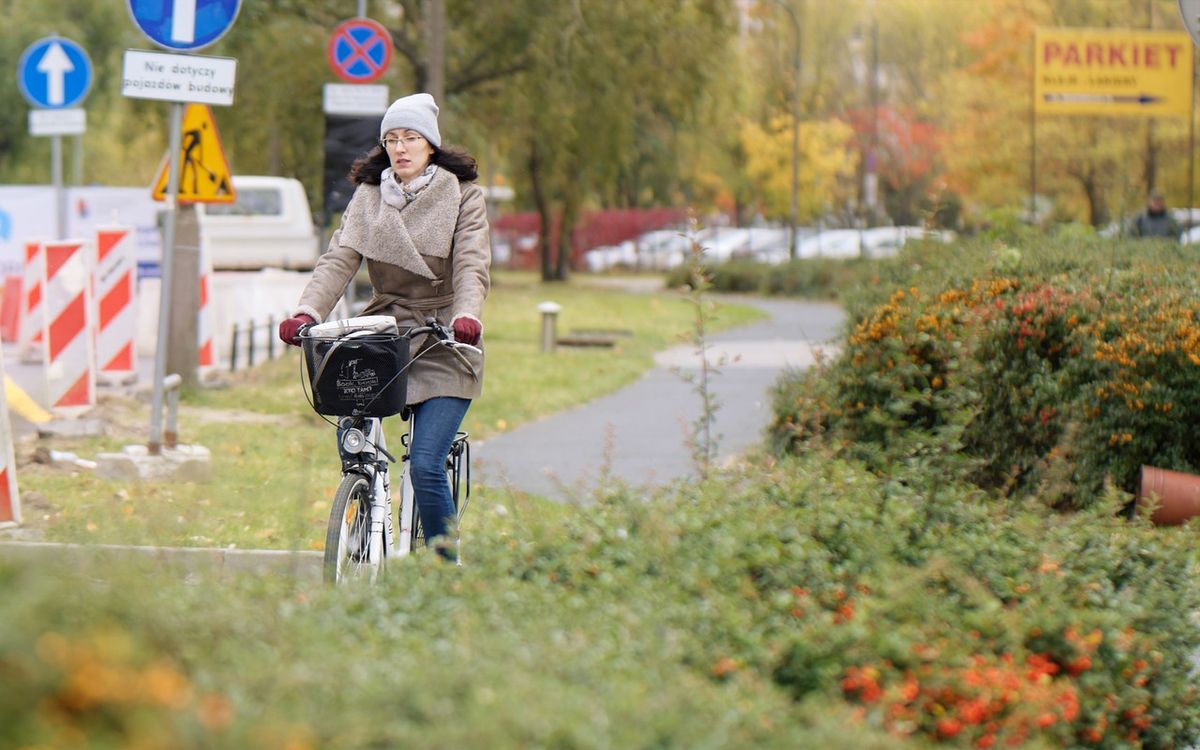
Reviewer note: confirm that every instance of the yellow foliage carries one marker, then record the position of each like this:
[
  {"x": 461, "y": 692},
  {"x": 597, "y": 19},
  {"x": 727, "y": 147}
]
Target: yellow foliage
[{"x": 826, "y": 171}]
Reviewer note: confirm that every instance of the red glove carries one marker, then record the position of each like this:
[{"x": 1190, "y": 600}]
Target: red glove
[
  {"x": 467, "y": 331},
  {"x": 290, "y": 327}
]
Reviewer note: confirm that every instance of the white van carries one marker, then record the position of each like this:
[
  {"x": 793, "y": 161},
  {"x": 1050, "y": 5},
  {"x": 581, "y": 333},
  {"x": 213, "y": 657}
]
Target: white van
[{"x": 269, "y": 226}]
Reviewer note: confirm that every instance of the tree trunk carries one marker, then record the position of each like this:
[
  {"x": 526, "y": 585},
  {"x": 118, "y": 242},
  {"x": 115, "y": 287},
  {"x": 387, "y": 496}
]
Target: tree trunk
[
  {"x": 566, "y": 228},
  {"x": 1097, "y": 211},
  {"x": 543, "y": 210}
]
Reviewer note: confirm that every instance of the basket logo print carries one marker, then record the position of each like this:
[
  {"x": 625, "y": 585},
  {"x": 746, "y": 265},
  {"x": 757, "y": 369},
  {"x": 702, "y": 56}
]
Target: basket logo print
[{"x": 356, "y": 383}]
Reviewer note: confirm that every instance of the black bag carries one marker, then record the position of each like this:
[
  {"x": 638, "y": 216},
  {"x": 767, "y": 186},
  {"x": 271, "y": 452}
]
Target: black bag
[{"x": 360, "y": 374}]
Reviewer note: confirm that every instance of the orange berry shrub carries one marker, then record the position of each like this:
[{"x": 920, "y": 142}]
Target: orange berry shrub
[
  {"x": 977, "y": 627},
  {"x": 1056, "y": 378},
  {"x": 988, "y": 398},
  {"x": 1139, "y": 400}
]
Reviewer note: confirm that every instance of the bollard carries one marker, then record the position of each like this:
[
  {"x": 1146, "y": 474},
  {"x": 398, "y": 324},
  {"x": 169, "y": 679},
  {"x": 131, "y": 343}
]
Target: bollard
[
  {"x": 171, "y": 384},
  {"x": 233, "y": 349},
  {"x": 169, "y": 437},
  {"x": 549, "y": 311},
  {"x": 250, "y": 345}
]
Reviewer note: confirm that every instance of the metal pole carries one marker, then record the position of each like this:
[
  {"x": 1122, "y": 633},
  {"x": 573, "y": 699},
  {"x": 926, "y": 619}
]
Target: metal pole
[
  {"x": 872, "y": 193},
  {"x": 77, "y": 162},
  {"x": 1192, "y": 146},
  {"x": 154, "y": 444},
  {"x": 1032, "y": 138},
  {"x": 250, "y": 345},
  {"x": 60, "y": 193},
  {"x": 233, "y": 349},
  {"x": 794, "y": 216},
  {"x": 362, "y": 8},
  {"x": 794, "y": 212}
]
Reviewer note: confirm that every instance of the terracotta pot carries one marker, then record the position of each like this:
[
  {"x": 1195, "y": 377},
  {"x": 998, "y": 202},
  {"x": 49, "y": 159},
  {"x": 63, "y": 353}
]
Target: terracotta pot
[{"x": 1176, "y": 495}]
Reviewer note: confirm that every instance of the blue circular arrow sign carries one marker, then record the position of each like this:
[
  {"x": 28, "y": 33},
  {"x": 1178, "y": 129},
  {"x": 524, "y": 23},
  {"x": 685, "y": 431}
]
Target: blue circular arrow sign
[
  {"x": 184, "y": 24},
  {"x": 54, "y": 73}
]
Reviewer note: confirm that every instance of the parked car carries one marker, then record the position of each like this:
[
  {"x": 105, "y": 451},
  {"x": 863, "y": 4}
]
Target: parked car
[{"x": 269, "y": 225}]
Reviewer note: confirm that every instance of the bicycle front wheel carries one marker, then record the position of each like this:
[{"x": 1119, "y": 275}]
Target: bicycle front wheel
[{"x": 348, "y": 535}]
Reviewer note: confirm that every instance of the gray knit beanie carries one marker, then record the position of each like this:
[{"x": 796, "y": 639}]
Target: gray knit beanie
[{"x": 416, "y": 112}]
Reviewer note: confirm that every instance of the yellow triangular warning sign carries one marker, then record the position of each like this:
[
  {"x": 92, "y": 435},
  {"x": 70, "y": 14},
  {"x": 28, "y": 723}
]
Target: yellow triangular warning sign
[{"x": 204, "y": 175}]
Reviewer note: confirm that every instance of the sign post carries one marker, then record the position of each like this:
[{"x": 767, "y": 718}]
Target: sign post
[
  {"x": 359, "y": 52},
  {"x": 177, "y": 25},
  {"x": 55, "y": 74},
  {"x": 1190, "y": 11}
]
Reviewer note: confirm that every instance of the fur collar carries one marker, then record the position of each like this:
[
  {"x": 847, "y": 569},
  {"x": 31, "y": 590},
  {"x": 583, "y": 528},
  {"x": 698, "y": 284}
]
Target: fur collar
[{"x": 379, "y": 232}]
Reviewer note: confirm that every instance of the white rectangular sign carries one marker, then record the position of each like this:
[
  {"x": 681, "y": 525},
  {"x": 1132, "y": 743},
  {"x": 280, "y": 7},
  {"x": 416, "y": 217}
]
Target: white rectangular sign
[
  {"x": 57, "y": 121},
  {"x": 355, "y": 99},
  {"x": 178, "y": 78}
]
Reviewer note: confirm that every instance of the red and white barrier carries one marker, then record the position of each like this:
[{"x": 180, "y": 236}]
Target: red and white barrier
[
  {"x": 10, "y": 309},
  {"x": 115, "y": 289},
  {"x": 207, "y": 357},
  {"x": 10, "y": 501},
  {"x": 33, "y": 323},
  {"x": 70, "y": 357}
]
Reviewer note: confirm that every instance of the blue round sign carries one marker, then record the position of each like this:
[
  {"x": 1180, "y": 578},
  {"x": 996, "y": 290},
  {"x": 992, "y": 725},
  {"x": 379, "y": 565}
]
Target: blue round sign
[
  {"x": 360, "y": 50},
  {"x": 184, "y": 24},
  {"x": 54, "y": 73}
]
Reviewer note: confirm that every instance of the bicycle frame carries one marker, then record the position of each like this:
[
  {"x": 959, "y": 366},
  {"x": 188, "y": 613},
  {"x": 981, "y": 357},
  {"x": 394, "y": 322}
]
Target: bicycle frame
[
  {"x": 361, "y": 534},
  {"x": 370, "y": 461}
]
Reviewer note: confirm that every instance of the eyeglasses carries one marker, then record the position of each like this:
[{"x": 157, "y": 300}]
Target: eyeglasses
[{"x": 393, "y": 143}]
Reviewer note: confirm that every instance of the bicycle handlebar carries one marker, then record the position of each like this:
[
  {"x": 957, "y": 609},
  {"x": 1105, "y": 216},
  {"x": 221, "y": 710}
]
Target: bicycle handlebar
[{"x": 442, "y": 336}]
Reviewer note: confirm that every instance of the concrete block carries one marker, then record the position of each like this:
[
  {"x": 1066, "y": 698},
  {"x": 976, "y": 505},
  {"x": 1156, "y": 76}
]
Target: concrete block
[
  {"x": 183, "y": 463},
  {"x": 84, "y": 427}
]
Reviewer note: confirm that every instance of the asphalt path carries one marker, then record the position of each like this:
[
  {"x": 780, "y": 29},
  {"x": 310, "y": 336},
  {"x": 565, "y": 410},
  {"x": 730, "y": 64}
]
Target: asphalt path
[{"x": 640, "y": 435}]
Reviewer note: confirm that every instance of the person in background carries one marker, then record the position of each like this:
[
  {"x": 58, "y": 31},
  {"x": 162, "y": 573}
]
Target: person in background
[
  {"x": 420, "y": 222},
  {"x": 1156, "y": 221}
]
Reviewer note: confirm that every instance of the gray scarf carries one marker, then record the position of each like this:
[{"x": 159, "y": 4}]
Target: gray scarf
[{"x": 399, "y": 195}]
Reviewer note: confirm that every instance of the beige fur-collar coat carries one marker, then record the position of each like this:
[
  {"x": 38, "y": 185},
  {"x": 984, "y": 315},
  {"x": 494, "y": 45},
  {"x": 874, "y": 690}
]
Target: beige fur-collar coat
[{"x": 430, "y": 258}]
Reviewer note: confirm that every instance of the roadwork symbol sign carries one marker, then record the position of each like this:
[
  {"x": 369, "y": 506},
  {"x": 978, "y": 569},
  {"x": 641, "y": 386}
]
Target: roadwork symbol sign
[{"x": 204, "y": 175}]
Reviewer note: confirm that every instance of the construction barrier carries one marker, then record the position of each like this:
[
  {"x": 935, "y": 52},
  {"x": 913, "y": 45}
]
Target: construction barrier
[
  {"x": 10, "y": 501},
  {"x": 115, "y": 290},
  {"x": 204, "y": 326},
  {"x": 70, "y": 357},
  {"x": 10, "y": 310},
  {"x": 33, "y": 323}
]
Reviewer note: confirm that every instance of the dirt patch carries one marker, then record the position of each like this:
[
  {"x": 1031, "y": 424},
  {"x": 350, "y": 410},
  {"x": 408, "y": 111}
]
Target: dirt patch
[{"x": 211, "y": 416}]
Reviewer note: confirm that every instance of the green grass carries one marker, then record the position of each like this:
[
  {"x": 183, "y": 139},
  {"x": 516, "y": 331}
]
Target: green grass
[
  {"x": 567, "y": 628},
  {"x": 274, "y": 463}
]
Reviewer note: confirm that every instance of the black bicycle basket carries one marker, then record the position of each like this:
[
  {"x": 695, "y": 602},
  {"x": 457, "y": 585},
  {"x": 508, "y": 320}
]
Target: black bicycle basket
[{"x": 359, "y": 374}]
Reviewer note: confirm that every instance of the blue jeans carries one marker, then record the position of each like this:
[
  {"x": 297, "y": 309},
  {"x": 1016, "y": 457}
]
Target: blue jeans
[{"x": 435, "y": 423}]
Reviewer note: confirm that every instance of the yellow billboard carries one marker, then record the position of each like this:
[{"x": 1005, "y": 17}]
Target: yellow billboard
[{"x": 1112, "y": 72}]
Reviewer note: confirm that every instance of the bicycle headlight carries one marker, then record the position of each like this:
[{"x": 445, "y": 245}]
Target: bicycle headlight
[{"x": 353, "y": 440}]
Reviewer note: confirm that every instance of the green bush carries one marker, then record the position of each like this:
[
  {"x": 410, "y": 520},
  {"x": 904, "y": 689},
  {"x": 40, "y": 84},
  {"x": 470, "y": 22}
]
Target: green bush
[
  {"x": 814, "y": 278},
  {"x": 807, "y": 604},
  {"x": 1055, "y": 369}
]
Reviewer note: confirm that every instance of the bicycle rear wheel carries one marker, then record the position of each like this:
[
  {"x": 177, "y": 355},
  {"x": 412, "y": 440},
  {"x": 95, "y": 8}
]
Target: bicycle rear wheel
[
  {"x": 458, "y": 477},
  {"x": 347, "y": 537}
]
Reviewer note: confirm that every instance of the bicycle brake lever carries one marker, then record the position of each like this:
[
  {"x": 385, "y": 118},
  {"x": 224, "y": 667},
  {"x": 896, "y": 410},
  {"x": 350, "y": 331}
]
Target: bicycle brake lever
[{"x": 454, "y": 347}]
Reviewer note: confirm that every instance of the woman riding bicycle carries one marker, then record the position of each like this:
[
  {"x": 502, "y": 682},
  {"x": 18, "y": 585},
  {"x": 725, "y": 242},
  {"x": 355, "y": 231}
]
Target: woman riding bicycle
[{"x": 419, "y": 220}]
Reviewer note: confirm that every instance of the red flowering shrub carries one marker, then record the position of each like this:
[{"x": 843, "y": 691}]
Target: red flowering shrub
[{"x": 1056, "y": 381}]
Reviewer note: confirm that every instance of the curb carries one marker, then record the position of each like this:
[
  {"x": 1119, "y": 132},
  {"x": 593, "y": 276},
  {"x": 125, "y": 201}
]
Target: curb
[{"x": 225, "y": 563}]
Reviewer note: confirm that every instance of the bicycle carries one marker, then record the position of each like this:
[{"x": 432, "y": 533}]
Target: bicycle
[{"x": 343, "y": 360}]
